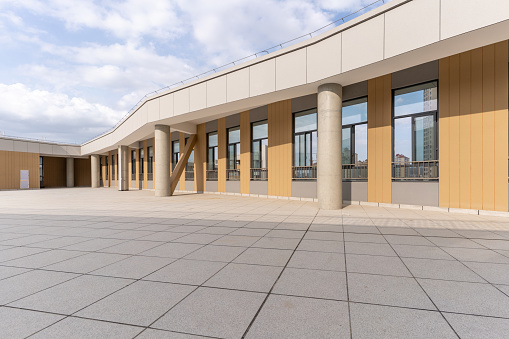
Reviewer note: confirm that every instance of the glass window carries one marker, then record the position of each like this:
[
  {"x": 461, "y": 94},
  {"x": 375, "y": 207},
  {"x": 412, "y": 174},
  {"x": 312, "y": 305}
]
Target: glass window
[
  {"x": 107, "y": 170},
  {"x": 212, "y": 154},
  {"x": 150, "y": 162},
  {"x": 142, "y": 158},
  {"x": 416, "y": 99},
  {"x": 305, "y": 145},
  {"x": 415, "y": 132},
  {"x": 260, "y": 145},
  {"x": 355, "y": 139},
  {"x": 133, "y": 162},
  {"x": 190, "y": 161},
  {"x": 233, "y": 149},
  {"x": 355, "y": 111},
  {"x": 176, "y": 154}
]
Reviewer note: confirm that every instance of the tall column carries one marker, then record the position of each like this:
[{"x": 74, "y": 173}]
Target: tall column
[
  {"x": 162, "y": 161},
  {"x": 94, "y": 162},
  {"x": 123, "y": 175},
  {"x": 70, "y": 172},
  {"x": 330, "y": 188}
]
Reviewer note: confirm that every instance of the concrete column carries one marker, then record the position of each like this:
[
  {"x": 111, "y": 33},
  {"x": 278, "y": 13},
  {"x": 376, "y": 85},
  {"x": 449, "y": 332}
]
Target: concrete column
[
  {"x": 95, "y": 164},
  {"x": 70, "y": 172},
  {"x": 162, "y": 161},
  {"x": 123, "y": 174},
  {"x": 330, "y": 188}
]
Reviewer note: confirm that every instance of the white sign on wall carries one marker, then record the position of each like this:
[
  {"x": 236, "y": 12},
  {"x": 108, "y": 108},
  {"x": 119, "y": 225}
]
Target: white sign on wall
[{"x": 23, "y": 175}]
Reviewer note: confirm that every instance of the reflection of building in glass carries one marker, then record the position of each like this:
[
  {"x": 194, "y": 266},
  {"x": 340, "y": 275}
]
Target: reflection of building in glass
[
  {"x": 429, "y": 96},
  {"x": 400, "y": 170},
  {"x": 264, "y": 156}
]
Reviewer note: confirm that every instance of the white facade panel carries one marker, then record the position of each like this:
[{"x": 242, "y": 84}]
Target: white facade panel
[
  {"x": 181, "y": 102},
  {"x": 153, "y": 110},
  {"x": 143, "y": 112},
  {"x": 46, "y": 149},
  {"x": 458, "y": 17},
  {"x": 216, "y": 91},
  {"x": 6, "y": 145},
  {"x": 59, "y": 150},
  {"x": 363, "y": 44},
  {"x": 412, "y": 26},
  {"x": 198, "y": 97},
  {"x": 291, "y": 69},
  {"x": 262, "y": 78},
  {"x": 20, "y": 146},
  {"x": 33, "y": 147},
  {"x": 324, "y": 59},
  {"x": 237, "y": 85},
  {"x": 166, "y": 106},
  {"x": 73, "y": 150}
]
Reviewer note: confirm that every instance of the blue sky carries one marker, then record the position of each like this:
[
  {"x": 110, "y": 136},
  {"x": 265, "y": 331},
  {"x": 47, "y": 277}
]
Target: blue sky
[{"x": 70, "y": 70}]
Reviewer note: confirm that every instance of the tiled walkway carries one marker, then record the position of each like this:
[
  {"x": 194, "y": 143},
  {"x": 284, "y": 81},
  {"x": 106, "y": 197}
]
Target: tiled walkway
[{"x": 83, "y": 263}]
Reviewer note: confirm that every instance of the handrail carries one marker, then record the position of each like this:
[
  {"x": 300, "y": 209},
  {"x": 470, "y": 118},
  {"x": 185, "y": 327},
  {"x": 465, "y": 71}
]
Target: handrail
[
  {"x": 232, "y": 63},
  {"x": 415, "y": 170}
]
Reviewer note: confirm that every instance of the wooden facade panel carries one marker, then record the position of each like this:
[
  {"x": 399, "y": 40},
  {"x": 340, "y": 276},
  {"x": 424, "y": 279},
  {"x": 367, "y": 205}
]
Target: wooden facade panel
[
  {"x": 129, "y": 167},
  {"x": 182, "y": 145},
  {"x": 221, "y": 165},
  {"x": 465, "y": 130},
  {"x": 380, "y": 139},
  {"x": 145, "y": 164},
  {"x": 501, "y": 126},
  {"x": 82, "y": 172},
  {"x": 245, "y": 153},
  {"x": 153, "y": 163},
  {"x": 474, "y": 129},
  {"x": 280, "y": 148},
  {"x": 138, "y": 151},
  {"x": 54, "y": 172},
  {"x": 10, "y": 165}
]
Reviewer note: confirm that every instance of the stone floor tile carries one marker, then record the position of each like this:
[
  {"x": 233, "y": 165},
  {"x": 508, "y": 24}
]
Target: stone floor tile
[
  {"x": 251, "y": 232},
  {"x": 376, "y": 265},
  {"x": 236, "y": 240},
  {"x": 191, "y": 272},
  {"x": 290, "y": 234},
  {"x": 295, "y": 318},
  {"x": 361, "y": 229},
  {"x": 297, "y": 226},
  {"x": 321, "y": 246},
  {"x": 477, "y": 255},
  {"x": 19, "y": 252},
  {"x": 244, "y": 277},
  {"x": 441, "y": 269},
  {"x": 135, "y": 267},
  {"x": 43, "y": 259},
  {"x": 196, "y": 238},
  {"x": 131, "y": 247},
  {"x": 493, "y": 273},
  {"x": 213, "y": 312},
  {"x": 264, "y": 256},
  {"x": 475, "y": 327},
  {"x": 151, "y": 333},
  {"x": 374, "y": 321},
  {"x": 436, "y": 232},
  {"x": 217, "y": 230},
  {"x": 87, "y": 329},
  {"x": 369, "y": 248},
  {"x": 454, "y": 242},
  {"x": 466, "y": 297},
  {"x": 312, "y": 283},
  {"x": 86, "y": 263},
  {"x": 22, "y": 285},
  {"x": 138, "y": 304},
  {"x": 330, "y": 236},
  {"x": 494, "y": 244},
  {"x": 7, "y": 271},
  {"x": 326, "y": 228},
  {"x": 164, "y": 236},
  {"x": 387, "y": 290},
  {"x": 72, "y": 295},
  {"x": 27, "y": 240},
  {"x": 18, "y": 323},
  {"x": 423, "y": 252},
  {"x": 318, "y": 261},
  {"x": 93, "y": 245},
  {"x": 216, "y": 253},
  {"x": 360, "y": 237},
  {"x": 261, "y": 224},
  {"x": 280, "y": 243},
  {"x": 408, "y": 240},
  {"x": 397, "y": 230},
  {"x": 59, "y": 242},
  {"x": 172, "y": 250}
]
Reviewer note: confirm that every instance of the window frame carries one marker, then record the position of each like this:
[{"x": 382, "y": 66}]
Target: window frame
[
  {"x": 215, "y": 153},
  {"x": 433, "y": 113},
  {"x": 262, "y": 172},
  {"x": 352, "y": 127},
  {"x": 310, "y": 132}
]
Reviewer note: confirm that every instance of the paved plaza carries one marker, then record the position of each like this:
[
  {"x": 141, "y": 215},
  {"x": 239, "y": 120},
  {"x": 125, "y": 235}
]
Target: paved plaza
[{"x": 84, "y": 263}]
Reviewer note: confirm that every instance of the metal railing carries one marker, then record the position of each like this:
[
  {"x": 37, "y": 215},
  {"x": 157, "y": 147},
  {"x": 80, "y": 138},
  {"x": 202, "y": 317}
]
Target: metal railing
[
  {"x": 259, "y": 174},
  {"x": 233, "y": 174},
  {"x": 150, "y": 176},
  {"x": 190, "y": 175},
  {"x": 415, "y": 170},
  {"x": 141, "y": 177},
  {"x": 236, "y": 62},
  {"x": 355, "y": 171},
  {"x": 304, "y": 172},
  {"x": 212, "y": 175}
]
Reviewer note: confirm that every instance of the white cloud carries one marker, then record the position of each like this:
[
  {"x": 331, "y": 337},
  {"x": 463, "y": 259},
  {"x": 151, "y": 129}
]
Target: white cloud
[{"x": 53, "y": 115}]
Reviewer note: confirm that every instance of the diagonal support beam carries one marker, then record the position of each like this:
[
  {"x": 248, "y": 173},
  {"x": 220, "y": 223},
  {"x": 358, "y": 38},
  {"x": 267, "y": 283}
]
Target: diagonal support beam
[{"x": 181, "y": 164}]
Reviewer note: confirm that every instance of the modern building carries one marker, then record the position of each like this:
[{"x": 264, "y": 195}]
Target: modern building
[{"x": 406, "y": 104}]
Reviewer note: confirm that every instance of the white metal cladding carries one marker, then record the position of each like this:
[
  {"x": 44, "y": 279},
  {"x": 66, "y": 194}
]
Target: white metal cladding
[{"x": 395, "y": 36}]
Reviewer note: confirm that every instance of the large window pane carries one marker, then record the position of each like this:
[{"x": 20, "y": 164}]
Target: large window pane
[
  {"x": 424, "y": 138},
  {"x": 260, "y": 130},
  {"x": 361, "y": 144},
  {"x": 416, "y": 99},
  {"x": 305, "y": 121},
  {"x": 403, "y": 140},
  {"x": 347, "y": 146},
  {"x": 234, "y": 135},
  {"x": 210, "y": 158},
  {"x": 264, "y": 157},
  {"x": 355, "y": 111},
  {"x": 213, "y": 139},
  {"x": 255, "y": 155}
]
